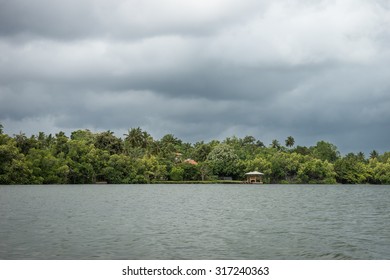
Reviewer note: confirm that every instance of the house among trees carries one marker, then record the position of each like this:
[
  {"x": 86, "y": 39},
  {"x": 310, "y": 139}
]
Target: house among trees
[
  {"x": 178, "y": 156},
  {"x": 254, "y": 177},
  {"x": 190, "y": 161}
]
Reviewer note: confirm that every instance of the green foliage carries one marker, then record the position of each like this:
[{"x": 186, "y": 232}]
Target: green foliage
[
  {"x": 201, "y": 151},
  {"x": 176, "y": 174},
  {"x": 205, "y": 171},
  {"x": 302, "y": 150},
  {"x": 290, "y": 141},
  {"x": 60, "y": 143},
  {"x": 109, "y": 142},
  {"x": 275, "y": 144},
  {"x": 380, "y": 172},
  {"x": 191, "y": 171},
  {"x": 151, "y": 168},
  {"x": 13, "y": 166},
  {"x": 223, "y": 161},
  {"x": 88, "y": 157},
  {"x": 315, "y": 171},
  {"x": 170, "y": 146},
  {"x": 120, "y": 170},
  {"x": 47, "y": 169},
  {"x": 325, "y": 151},
  {"x": 385, "y": 157},
  {"x": 23, "y": 143},
  {"x": 80, "y": 161},
  {"x": 352, "y": 170},
  {"x": 82, "y": 135},
  {"x": 374, "y": 154},
  {"x": 136, "y": 138},
  {"x": 285, "y": 166}
]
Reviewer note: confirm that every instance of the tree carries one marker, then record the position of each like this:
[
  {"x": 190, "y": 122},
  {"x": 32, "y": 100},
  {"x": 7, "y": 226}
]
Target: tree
[
  {"x": 361, "y": 157},
  {"x": 191, "y": 171},
  {"x": 47, "y": 169},
  {"x": 119, "y": 170},
  {"x": 23, "y": 143},
  {"x": 249, "y": 140},
  {"x": 351, "y": 170},
  {"x": 201, "y": 151},
  {"x": 302, "y": 150},
  {"x": 44, "y": 141},
  {"x": 290, "y": 141},
  {"x": 82, "y": 135},
  {"x": 260, "y": 144},
  {"x": 60, "y": 143},
  {"x": 81, "y": 168},
  {"x": 170, "y": 139},
  {"x": 380, "y": 171},
  {"x": 315, "y": 171},
  {"x": 285, "y": 167},
  {"x": 170, "y": 145},
  {"x": 223, "y": 161},
  {"x": 385, "y": 157},
  {"x": 325, "y": 151},
  {"x": 109, "y": 142},
  {"x": 374, "y": 154},
  {"x": 137, "y": 138},
  {"x": 248, "y": 148},
  {"x": 151, "y": 168},
  {"x": 87, "y": 157},
  {"x": 275, "y": 144},
  {"x": 13, "y": 166},
  {"x": 204, "y": 170},
  {"x": 176, "y": 174}
]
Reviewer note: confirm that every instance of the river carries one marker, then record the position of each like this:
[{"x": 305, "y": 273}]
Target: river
[{"x": 305, "y": 222}]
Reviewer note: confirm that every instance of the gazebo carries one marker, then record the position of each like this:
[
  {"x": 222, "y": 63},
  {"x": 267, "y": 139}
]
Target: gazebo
[{"x": 254, "y": 177}]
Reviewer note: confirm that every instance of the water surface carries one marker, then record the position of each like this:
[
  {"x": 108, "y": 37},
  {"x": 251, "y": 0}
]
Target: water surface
[{"x": 195, "y": 222}]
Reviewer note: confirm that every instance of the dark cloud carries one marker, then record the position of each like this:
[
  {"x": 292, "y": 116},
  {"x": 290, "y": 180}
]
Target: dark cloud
[
  {"x": 123, "y": 19},
  {"x": 202, "y": 70}
]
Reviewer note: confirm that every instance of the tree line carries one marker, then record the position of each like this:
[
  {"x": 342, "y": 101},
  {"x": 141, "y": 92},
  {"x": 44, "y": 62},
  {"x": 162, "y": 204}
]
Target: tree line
[{"x": 86, "y": 157}]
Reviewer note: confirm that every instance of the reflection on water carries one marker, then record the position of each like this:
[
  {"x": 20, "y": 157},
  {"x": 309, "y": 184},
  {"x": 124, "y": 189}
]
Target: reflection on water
[{"x": 195, "y": 222}]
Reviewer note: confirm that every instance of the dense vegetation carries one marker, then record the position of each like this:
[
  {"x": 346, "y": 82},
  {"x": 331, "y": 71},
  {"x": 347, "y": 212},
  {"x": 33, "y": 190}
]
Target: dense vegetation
[{"x": 86, "y": 157}]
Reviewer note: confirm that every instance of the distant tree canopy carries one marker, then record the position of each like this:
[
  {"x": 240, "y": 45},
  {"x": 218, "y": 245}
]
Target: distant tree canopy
[{"x": 87, "y": 157}]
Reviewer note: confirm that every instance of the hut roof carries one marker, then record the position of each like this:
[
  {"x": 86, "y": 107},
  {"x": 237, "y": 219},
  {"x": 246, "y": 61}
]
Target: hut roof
[{"x": 254, "y": 173}]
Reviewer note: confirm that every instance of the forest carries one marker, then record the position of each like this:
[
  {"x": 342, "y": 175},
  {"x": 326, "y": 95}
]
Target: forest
[{"x": 85, "y": 157}]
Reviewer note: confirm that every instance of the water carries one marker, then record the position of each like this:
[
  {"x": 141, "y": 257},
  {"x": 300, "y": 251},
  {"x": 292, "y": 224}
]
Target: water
[{"x": 195, "y": 222}]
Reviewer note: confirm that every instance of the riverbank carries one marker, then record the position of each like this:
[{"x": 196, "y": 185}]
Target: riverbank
[{"x": 200, "y": 182}]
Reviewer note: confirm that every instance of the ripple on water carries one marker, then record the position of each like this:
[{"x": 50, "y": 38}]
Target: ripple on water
[{"x": 195, "y": 222}]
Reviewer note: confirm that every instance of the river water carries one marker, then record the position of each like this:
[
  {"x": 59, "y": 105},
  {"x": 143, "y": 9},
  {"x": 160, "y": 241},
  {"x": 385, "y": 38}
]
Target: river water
[{"x": 195, "y": 222}]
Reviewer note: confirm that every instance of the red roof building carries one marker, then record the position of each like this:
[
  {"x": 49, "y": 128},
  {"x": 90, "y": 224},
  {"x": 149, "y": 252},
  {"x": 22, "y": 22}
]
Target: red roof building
[{"x": 190, "y": 161}]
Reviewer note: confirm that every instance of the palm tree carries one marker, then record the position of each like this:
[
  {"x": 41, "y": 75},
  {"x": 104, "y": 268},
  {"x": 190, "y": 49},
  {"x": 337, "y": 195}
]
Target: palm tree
[
  {"x": 275, "y": 144},
  {"x": 374, "y": 154},
  {"x": 137, "y": 138},
  {"x": 290, "y": 141},
  {"x": 361, "y": 156}
]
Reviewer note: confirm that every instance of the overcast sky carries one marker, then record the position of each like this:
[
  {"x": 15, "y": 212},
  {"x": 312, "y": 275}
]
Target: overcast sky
[{"x": 201, "y": 70}]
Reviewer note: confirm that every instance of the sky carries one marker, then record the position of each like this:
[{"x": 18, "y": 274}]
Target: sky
[{"x": 200, "y": 70}]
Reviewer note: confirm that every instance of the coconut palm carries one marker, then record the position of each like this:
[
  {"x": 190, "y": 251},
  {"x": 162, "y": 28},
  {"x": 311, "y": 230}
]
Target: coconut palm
[{"x": 290, "y": 141}]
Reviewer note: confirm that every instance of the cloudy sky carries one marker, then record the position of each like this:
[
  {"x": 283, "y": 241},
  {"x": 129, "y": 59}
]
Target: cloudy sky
[{"x": 201, "y": 70}]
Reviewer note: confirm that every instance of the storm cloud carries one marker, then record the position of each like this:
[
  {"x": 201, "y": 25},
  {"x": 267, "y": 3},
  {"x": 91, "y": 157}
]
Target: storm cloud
[{"x": 316, "y": 70}]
